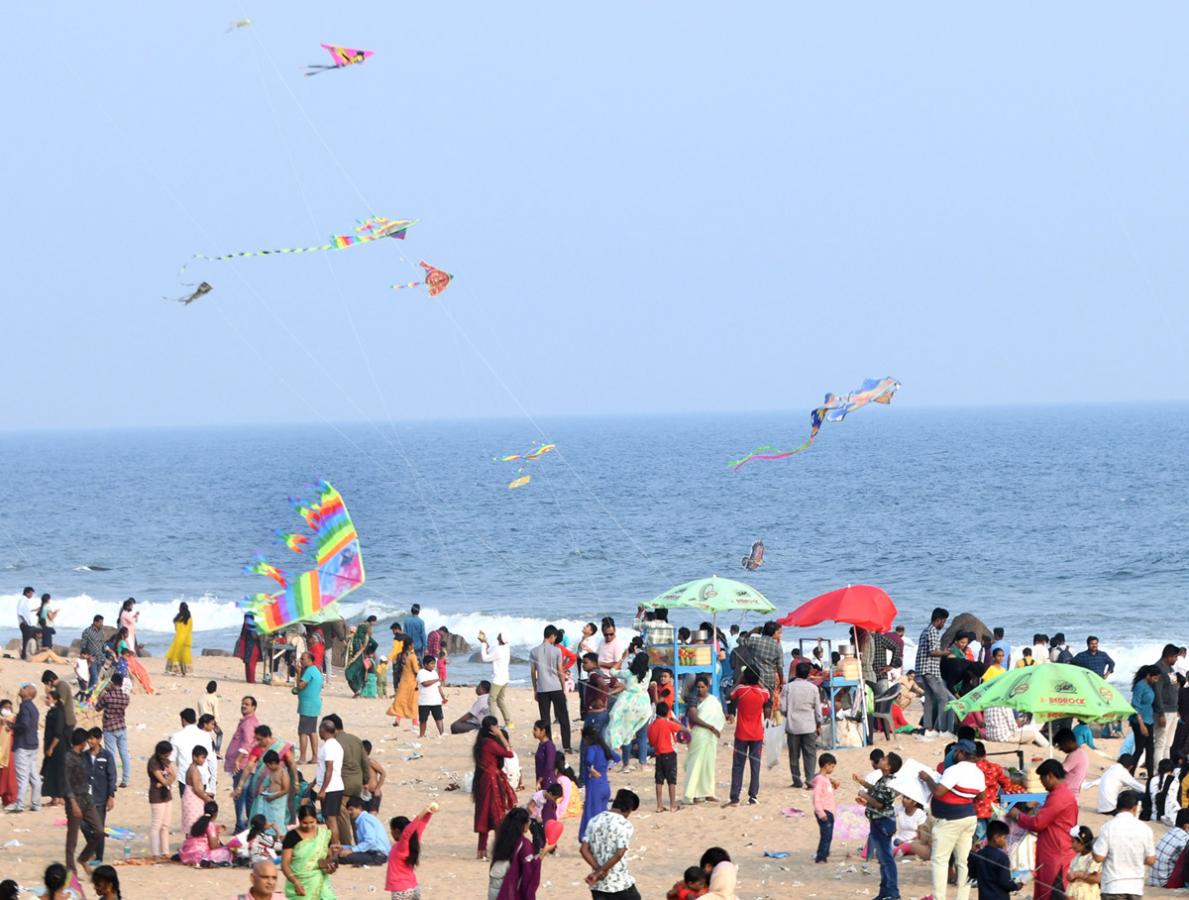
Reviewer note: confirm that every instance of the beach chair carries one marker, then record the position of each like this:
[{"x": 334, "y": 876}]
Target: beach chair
[{"x": 882, "y": 714}]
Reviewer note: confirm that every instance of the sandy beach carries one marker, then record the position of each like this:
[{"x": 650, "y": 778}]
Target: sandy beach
[{"x": 664, "y": 844}]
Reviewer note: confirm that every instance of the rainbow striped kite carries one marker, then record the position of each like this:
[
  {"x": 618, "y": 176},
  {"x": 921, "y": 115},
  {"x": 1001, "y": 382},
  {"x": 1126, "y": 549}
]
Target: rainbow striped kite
[{"x": 338, "y": 558}]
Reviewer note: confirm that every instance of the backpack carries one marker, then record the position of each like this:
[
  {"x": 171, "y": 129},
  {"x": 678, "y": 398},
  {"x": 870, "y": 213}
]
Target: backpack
[{"x": 1064, "y": 656}]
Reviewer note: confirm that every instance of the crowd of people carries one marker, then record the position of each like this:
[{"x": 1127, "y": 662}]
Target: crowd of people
[{"x": 632, "y": 713}]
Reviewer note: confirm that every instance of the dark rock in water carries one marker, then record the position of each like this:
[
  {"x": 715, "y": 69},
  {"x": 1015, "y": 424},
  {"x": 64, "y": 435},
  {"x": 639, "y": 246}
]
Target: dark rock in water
[
  {"x": 456, "y": 645},
  {"x": 211, "y": 651},
  {"x": 477, "y": 657}
]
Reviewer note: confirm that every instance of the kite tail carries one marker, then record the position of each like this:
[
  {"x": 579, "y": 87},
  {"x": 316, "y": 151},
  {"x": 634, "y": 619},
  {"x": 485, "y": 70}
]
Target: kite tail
[{"x": 768, "y": 452}]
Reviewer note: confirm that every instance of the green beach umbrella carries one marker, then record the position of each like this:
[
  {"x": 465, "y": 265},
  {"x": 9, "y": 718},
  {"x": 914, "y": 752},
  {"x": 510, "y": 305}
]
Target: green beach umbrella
[
  {"x": 713, "y": 595},
  {"x": 1049, "y": 691}
]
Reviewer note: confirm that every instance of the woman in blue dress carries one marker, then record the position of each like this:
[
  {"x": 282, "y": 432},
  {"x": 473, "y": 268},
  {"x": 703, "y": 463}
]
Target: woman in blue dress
[{"x": 597, "y": 762}]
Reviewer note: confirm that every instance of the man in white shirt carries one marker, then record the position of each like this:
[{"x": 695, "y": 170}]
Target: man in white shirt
[
  {"x": 1124, "y": 847},
  {"x": 26, "y": 620},
  {"x": 184, "y": 742},
  {"x": 1040, "y": 648},
  {"x": 500, "y": 658},
  {"x": 954, "y": 821},
  {"x": 328, "y": 777},
  {"x": 1118, "y": 778},
  {"x": 480, "y": 710}
]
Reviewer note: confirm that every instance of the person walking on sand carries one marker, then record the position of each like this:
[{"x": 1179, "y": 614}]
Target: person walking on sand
[
  {"x": 801, "y": 704},
  {"x": 414, "y": 627},
  {"x": 24, "y": 750},
  {"x": 404, "y": 682},
  {"x": 548, "y": 679},
  {"x": 113, "y": 703},
  {"x": 1052, "y": 823},
  {"x": 492, "y": 793},
  {"x": 952, "y": 805},
  {"x": 309, "y": 708},
  {"x": 178, "y": 656},
  {"x": 101, "y": 773},
  {"x": 706, "y": 722},
  {"x": 26, "y": 620},
  {"x": 80, "y": 811},
  {"x": 750, "y": 700},
  {"x": 605, "y": 847},
  {"x": 92, "y": 650},
  {"x": 128, "y": 619},
  {"x": 1124, "y": 847},
  {"x": 500, "y": 659},
  {"x": 236, "y": 760},
  {"x": 937, "y": 718},
  {"x": 162, "y": 777}
]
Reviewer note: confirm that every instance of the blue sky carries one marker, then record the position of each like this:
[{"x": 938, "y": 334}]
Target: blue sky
[{"x": 665, "y": 207}]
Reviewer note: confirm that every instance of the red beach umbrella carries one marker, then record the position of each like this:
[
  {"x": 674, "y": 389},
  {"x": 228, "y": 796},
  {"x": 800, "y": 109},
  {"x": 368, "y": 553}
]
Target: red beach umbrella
[{"x": 862, "y": 605}]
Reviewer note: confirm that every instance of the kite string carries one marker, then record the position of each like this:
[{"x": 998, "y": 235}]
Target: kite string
[
  {"x": 164, "y": 187},
  {"x": 354, "y": 328},
  {"x": 474, "y": 347}
]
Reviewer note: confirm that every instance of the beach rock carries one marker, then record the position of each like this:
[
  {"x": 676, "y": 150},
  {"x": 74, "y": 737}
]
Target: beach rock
[
  {"x": 456, "y": 645},
  {"x": 14, "y": 645},
  {"x": 211, "y": 651}
]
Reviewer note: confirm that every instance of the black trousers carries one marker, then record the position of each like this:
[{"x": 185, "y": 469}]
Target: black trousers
[
  {"x": 28, "y": 633},
  {"x": 555, "y": 701},
  {"x": 366, "y": 858}
]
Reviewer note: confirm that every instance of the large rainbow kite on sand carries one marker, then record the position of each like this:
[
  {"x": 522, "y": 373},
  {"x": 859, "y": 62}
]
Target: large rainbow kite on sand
[
  {"x": 833, "y": 409},
  {"x": 338, "y": 567}
]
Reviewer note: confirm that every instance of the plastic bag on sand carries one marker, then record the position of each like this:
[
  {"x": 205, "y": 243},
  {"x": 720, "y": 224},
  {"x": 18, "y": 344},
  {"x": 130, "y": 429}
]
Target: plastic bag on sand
[{"x": 774, "y": 740}]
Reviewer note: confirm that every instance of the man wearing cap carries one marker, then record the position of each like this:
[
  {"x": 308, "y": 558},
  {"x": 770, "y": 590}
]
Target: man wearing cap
[
  {"x": 1124, "y": 847},
  {"x": 26, "y": 620},
  {"x": 1054, "y": 824},
  {"x": 954, "y": 817}
]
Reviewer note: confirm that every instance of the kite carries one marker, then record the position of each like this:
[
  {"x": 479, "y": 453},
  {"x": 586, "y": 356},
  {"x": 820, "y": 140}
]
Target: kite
[
  {"x": 342, "y": 56},
  {"x": 369, "y": 230},
  {"x": 755, "y": 559},
  {"x": 437, "y": 280},
  {"x": 295, "y": 542},
  {"x": 260, "y": 566},
  {"x": 200, "y": 291},
  {"x": 338, "y": 567},
  {"x": 238, "y": 23},
  {"x": 536, "y": 452},
  {"x": 833, "y": 409}
]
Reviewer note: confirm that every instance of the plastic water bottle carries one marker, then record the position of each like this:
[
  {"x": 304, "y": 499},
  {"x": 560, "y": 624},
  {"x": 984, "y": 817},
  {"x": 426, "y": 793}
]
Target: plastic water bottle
[{"x": 127, "y": 850}]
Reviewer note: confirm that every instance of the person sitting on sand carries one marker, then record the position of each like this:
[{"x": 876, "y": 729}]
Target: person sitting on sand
[
  {"x": 204, "y": 843},
  {"x": 694, "y": 883}
]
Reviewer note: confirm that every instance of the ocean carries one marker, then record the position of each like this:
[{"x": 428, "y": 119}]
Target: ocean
[{"x": 1035, "y": 518}]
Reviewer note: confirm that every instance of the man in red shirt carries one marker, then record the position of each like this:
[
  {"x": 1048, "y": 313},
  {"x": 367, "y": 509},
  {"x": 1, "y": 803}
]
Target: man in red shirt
[
  {"x": 750, "y": 698},
  {"x": 660, "y": 738},
  {"x": 1051, "y": 824}
]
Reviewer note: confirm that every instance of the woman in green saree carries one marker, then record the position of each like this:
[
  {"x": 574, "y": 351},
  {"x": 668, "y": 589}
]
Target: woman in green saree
[
  {"x": 306, "y": 860},
  {"x": 361, "y": 645},
  {"x": 706, "y": 722}
]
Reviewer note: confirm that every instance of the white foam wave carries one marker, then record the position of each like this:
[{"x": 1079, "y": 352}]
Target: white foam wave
[{"x": 210, "y": 613}]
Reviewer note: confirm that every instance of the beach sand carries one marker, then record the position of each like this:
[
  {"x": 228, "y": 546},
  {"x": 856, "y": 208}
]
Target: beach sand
[{"x": 663, "y": 846}]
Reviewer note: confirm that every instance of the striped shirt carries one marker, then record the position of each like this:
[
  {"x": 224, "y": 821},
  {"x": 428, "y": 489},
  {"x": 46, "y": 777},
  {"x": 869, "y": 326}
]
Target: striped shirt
[{"x": 965, "y": 781}]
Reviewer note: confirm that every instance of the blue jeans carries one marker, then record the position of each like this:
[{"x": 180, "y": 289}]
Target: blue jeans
[
  {"x": 881, "y": 833},
  {"x": 113, "y": 740},
  {"x": 241, "y": 802},
  {"x": 95, "y": 666},
  {"x": 641, "y": 747},
  {"x": 825, "y": 834}
]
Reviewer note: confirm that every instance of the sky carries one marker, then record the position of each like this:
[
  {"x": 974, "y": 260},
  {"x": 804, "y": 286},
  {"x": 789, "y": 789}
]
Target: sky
[{"x": 649, "y": 208}]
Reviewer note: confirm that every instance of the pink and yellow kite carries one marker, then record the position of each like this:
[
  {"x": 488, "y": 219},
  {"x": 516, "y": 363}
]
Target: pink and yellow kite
[{"x": 342, "y": 56}]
